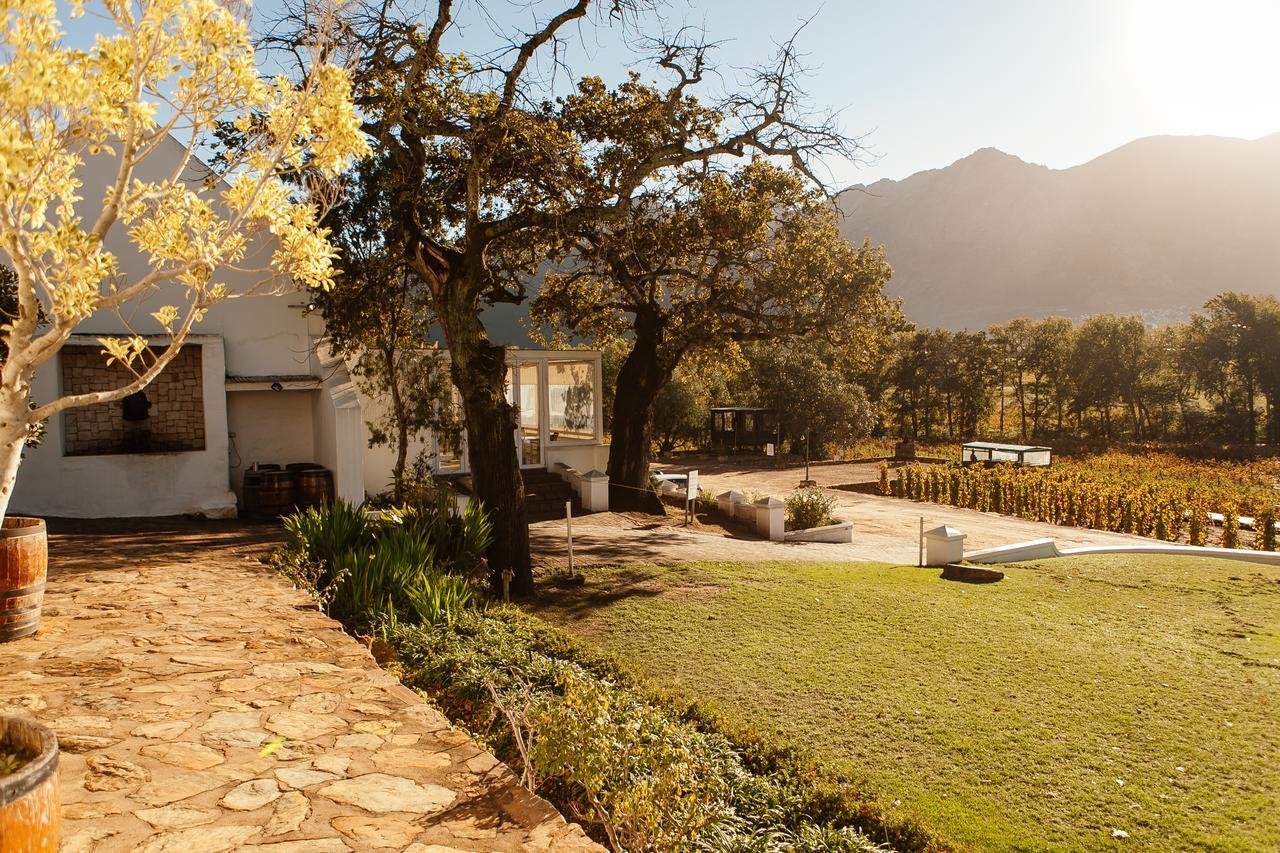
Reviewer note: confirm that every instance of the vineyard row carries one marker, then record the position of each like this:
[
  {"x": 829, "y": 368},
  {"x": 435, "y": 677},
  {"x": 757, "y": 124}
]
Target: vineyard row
[{"x": 1072, "y": 499}]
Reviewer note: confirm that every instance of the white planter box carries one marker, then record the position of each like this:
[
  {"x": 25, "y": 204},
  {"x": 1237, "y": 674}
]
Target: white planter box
[{"x": 839, "y": 532}]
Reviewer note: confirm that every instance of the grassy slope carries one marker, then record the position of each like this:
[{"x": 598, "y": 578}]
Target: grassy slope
[{"x": 1003, "y": 714}]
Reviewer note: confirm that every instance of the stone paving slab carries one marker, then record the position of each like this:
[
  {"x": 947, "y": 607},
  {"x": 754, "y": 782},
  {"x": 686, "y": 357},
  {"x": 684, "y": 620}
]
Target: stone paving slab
[{"x": 167, "y": 666}]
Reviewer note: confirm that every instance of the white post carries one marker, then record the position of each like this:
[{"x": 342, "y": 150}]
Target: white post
[
  {"x": 568, "y": 529},
  {"x": 725, "y": 502},
  {"x": 690, "y": 496},
  {"x": 771, "y": 519},
  {"x": 921, "y": 543},
  {"x": 595, "y": 491}
]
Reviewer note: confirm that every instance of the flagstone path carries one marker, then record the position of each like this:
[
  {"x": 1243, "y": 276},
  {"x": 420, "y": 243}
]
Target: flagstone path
[{"x": 171, "y": 660}]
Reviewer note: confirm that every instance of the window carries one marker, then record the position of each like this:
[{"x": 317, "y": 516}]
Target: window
[
  {"x": 571, "y": 400},
  {"x": 530, "y": 433}
]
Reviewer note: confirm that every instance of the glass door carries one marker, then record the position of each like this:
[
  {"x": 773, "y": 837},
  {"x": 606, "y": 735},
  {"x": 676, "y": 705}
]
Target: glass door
[{"x": 527, "y": 393}]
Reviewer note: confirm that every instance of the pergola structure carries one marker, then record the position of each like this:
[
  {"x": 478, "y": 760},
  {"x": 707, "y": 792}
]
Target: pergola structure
[
  {"x": 990, "y": 452},
  {"x": 734, "y": 429}
]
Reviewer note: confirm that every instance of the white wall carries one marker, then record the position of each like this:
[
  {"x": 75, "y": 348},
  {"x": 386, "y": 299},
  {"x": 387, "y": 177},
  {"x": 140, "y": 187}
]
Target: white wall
[
  {"x": 252, "y": 336},
  {"x": 338, "y": 428},
  {"x": 264, "y": 334},
  {"x": 380, "y": 460},
  {"x": 129, "y": 484},
  {"x": 259, "y": 335},
  {"x": 583, "y": 457},
  {"x": 269, "y": 426}
]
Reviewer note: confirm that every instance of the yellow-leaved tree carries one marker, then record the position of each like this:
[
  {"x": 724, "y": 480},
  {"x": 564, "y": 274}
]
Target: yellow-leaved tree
[{"x": 169, "y": 69}]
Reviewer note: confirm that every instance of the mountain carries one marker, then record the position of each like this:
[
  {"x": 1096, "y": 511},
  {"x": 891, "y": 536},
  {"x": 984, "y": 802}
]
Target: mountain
[{"x": 1154, "y": 227}]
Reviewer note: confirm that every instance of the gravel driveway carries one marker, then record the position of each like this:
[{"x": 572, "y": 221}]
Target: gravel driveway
[{"x": 884, "y": 529}]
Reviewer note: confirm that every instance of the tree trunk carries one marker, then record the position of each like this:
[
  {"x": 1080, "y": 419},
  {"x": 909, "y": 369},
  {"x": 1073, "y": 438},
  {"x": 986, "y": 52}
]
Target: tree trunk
[
  {"x": 1002, "y": 389},
  {"x": 640, "y": 379},
  {"x": 479, "y": 372},
  {"x": 13, "y": 436},
  {"x": 1251, "y": 394},
  {"x": 1022, "y": 405},
  {"x": 402, "y": 425}
]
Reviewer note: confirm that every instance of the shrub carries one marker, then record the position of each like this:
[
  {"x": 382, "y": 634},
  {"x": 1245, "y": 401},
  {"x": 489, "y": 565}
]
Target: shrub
[
  {"x": 320, "y": 535},
  {"x": 810, "y": 507},
  {"x": 648, "y": 782},
  {"x": 884, "y": 478},
  {"x": 460, "y": 539},
  {"x": 640, "y": 770},
  {"x": 417, "y": 562}
]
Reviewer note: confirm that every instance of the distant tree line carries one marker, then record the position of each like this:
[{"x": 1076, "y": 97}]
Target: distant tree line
[
  {"x": 1109, "y": 378},
  {"x": 1215, "y": 377}
]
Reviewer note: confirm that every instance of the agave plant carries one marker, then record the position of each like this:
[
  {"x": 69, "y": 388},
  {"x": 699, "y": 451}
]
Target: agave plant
[
  {"x": 438, "y": 598},
  {"x": 460, "y": 538},
  {"x": 417, "y": 561},
  {"x": 321, "y": 534}
]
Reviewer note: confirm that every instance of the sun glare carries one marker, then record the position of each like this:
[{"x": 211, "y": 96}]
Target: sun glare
[{"x": 1204, "y": 68}]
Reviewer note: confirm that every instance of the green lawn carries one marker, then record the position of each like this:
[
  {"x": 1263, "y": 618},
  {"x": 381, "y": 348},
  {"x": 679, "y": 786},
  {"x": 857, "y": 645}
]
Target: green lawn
[{"x": 1075, "y": 697}]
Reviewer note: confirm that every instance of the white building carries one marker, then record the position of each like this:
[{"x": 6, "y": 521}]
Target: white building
[{"x": 255, "y": 385}]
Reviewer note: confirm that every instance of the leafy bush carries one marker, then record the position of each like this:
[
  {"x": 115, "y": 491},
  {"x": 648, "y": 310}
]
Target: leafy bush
[
  {"x": 460, "y": 539},
  {"x": 646, "y": 781},
  {"x": 884, "y": 478},
  {"x": 417, "y": 561},
  {"x": 321, "y": 535},
  {"x": 810, "y": 507},
  {"x": 640, "y": 771}
]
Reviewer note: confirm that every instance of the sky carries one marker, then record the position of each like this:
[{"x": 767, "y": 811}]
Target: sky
[
  {"x": 1058, "y": 83},
  {"x": 926, "y": 82}
]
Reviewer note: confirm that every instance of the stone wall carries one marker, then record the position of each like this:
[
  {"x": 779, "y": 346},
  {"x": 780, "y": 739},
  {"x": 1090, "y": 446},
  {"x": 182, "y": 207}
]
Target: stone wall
[{"x": 173, "y": 423}]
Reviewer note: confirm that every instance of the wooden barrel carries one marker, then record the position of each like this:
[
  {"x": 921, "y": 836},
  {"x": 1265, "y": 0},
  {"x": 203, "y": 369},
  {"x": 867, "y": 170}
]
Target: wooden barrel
[
  {"x": 313, "y": 486},
  {"x": 275, "y": 493},
  {"x": 250, "y": 490},
  {"x": 24, "y": 562},
  {"x": 29, "y": 800}
]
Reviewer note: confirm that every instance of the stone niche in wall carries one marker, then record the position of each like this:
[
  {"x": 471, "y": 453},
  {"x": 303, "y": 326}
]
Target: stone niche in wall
[{"x": 165, "y": 417}]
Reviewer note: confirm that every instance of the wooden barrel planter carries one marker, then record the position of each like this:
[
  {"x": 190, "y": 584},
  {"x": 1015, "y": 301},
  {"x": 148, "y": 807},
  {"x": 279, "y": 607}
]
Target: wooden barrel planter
[
  {"x": 29, "y": 801},
  {"x": 275, "y": 494},
  {"x": 313, "y": 486},
  {"x": 24, "y": 563}
]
